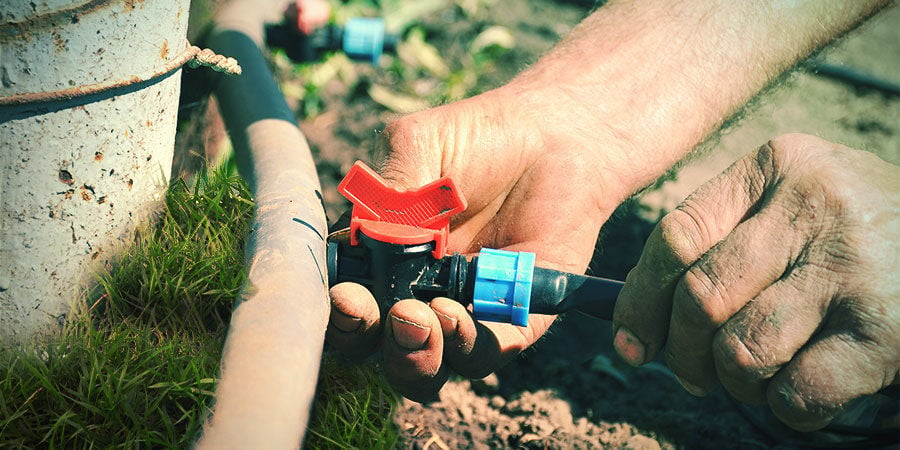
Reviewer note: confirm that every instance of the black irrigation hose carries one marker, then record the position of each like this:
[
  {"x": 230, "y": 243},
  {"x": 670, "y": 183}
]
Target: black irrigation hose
[
  {"x": 833, "y": 436},
  {"x": 855, "y": 77}
]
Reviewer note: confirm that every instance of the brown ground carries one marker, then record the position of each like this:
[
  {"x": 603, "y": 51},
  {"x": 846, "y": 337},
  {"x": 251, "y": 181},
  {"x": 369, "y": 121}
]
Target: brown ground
[{"x": 570, "y": 391}]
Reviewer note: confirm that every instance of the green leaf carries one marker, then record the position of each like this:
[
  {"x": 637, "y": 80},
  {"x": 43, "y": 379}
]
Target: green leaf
[
  {"x": 495, "y": 36},
  {"x": 418, "y": 53}
]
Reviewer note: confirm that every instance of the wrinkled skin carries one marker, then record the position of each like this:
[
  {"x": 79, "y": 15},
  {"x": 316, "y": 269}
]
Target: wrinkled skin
[
  {"x": 779, "y": 279},
  {"x": 525, "y": 191}
]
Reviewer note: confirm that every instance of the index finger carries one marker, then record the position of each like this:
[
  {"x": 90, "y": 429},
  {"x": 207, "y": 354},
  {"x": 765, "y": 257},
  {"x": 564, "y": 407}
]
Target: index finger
[{"x": 644, "y": 307}]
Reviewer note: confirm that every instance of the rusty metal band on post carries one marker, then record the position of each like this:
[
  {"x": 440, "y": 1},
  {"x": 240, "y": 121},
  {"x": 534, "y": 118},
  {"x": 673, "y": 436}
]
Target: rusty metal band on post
[
  {"x": 50, "y": 19},
  {"x": 203, "y": 57}
]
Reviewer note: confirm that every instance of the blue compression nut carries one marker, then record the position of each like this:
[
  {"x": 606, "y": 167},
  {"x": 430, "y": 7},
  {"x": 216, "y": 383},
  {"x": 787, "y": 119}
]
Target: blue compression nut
[
  {"x": 364, "y": 38},
  {"x": 503, "y": 286}
]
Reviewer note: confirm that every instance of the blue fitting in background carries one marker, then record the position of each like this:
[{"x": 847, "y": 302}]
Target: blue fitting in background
[
  {"x": 364, "y": 38},
  {"x": 503, "y": 286}
]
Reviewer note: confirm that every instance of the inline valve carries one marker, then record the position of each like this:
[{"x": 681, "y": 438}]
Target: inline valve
[{"x": 396, "y": 246}]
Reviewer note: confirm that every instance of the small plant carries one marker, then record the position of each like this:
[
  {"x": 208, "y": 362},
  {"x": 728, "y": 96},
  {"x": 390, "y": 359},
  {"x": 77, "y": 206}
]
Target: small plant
[{"x": 418, "y": 76}]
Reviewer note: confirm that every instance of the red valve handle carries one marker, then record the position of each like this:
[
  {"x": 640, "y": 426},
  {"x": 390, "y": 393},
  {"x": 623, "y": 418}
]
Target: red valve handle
[{"x": 412, "y": 217}]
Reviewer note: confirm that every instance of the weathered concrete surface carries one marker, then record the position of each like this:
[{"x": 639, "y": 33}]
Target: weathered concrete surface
[{"x": 77, "y": 176}]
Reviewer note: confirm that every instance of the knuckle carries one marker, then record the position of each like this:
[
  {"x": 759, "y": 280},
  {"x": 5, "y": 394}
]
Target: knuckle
[
  {"x": 795, "y": 409},
  {"x": 682, "y": 232},
  {"x": 815, "y": 169},
  {"x": 791, "y": 140},
  {"x": 797, "y": 154},
  {"x": 400, "y": 131},
  {"x": 742, "y": 360},
  {"x": 700, "y": 297},
  {"x": 408, "y": 151},
  {"x": 404, "y": 133},
  {"x": 790, "y": 147},
  {"x": 391, "y": 149}
]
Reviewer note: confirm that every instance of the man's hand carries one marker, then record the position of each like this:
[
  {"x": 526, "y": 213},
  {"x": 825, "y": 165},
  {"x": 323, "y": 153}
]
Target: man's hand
[
  {"x": 525, "y": 191},
  {"x": 779, "y": 279}
]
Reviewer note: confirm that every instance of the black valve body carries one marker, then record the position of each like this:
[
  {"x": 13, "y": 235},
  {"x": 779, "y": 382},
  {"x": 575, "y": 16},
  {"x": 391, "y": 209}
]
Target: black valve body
[{"x": 393, "y": 272}]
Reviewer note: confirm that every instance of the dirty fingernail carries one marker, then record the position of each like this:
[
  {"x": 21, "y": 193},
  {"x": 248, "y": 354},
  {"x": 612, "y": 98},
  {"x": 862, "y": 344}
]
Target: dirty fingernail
[
  {"x": 448, "y": 324},
  {"x": 409, "y": 335},
  {"x": 629, "y": 347},
  {"x": 344, "y": 322},
  {"x": 694, "y": 390}
]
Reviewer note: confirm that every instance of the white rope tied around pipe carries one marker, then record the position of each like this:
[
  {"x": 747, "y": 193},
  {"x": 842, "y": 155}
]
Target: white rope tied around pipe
[{"x": 193, "y": 56}]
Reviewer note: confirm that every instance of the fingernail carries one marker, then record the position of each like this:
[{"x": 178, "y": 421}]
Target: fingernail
[
  {"x": 344, "y": 322},
  {"x": 448, "y": 324},
  {"x": 629, "y": 347},
  {"x": 407, "y": 334},
  {"x": 694, "y": 390}
]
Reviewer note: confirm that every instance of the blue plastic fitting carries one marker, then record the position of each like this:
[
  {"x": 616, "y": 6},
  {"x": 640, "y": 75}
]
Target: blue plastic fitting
[
  {"x": 364, "y": 38},
  {"x": 502, "y": 290}
]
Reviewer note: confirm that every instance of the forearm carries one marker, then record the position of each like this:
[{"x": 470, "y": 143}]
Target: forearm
[{"x": 656, "y": 77}]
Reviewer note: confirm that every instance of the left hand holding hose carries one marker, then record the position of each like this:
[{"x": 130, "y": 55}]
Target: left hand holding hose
[{"x": 779, "y": 279}]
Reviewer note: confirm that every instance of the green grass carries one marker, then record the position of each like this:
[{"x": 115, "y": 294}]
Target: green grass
[
  {"x": 186, "y": 273},
  {"x": 353, "y": 409},
  {"x": 119, "y": 385},
  {"x": 139, "y": 369}
]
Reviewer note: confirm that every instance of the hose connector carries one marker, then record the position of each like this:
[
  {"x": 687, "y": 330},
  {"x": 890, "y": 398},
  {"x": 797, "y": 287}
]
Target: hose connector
[
  {"x": 364, "y": 38},
  {"x": 503, "y": 282}
]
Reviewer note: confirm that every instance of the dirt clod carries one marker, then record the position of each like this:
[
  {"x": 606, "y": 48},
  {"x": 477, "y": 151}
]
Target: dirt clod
[{"x": 639, "y": 442}]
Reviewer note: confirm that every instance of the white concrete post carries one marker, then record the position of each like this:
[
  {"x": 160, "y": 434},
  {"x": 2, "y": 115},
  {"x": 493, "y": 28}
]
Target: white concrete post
[{"x": 88, "y": 104}]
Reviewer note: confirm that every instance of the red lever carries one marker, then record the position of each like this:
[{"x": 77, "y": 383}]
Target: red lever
[{"x": 415, "y": 216}]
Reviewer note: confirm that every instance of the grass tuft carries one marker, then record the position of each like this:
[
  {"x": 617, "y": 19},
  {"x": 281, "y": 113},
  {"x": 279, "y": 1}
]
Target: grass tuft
[
  {"x": 123, "y": 384},
  {"x": 186, "y": 272},
  {"x": 353, "y": 408}
]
